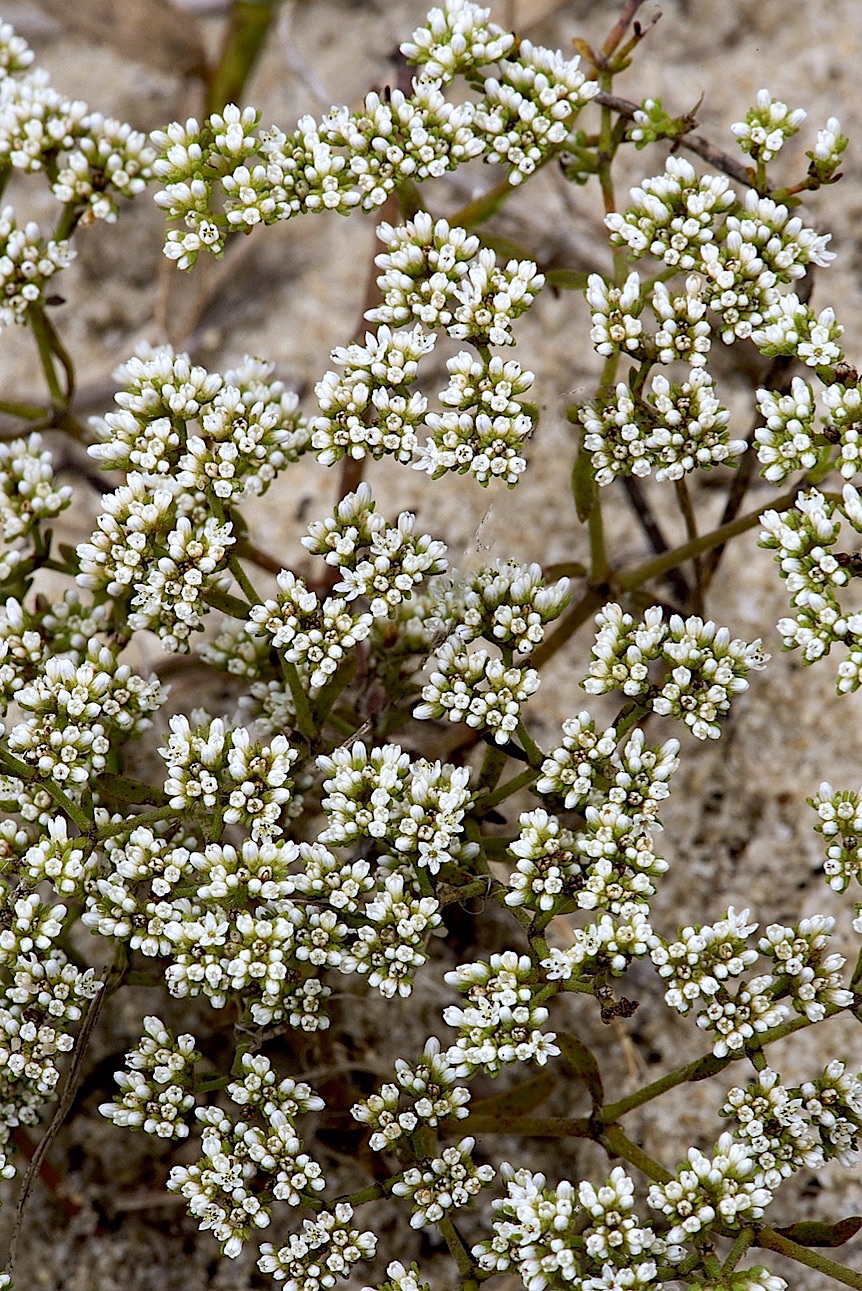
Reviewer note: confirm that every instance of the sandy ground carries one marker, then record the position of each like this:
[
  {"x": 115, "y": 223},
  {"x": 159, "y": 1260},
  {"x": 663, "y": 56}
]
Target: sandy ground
[{"x": 738, "y": 831}]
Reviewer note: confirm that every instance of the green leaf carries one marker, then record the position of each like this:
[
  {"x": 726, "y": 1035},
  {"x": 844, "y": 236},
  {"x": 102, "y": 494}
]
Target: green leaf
[
  {"x": 583, "y": 1064},
  {"x": 583, "y": 485},
  {"x": 481, "y": 208},
  {"x": 816, "y": 1233},
  {"x": 230, "y": 605},
  {"x": 516, "y": 1102},
  {"x": 126, "y": 790}
]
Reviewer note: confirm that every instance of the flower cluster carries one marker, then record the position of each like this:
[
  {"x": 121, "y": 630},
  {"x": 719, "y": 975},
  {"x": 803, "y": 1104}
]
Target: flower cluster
[
  {"x": 401, "y": 1279},
  {"x": 90, "y": 160},
  {"x": 43, "y": 998},
  {"x": 769, "y": 1120},
  {"x": 312, "y": 634},
  {"x": 784, "y": 1129},
  {"x": 792, "y": 329},
  {"x": 610, "y": 866},
  {"x": 767, "y": 127},
  {"x": 291, "y": 843},
  {"x": 529, "y": 109},
  {"x": 678, "y": 427},
  {"x": 484, "y": 427},
  {"x": 227, "y": 436},
  {"x": 825, "y": 157},
  {"x": 245, "y": 1166},
  {"x": 472, "y": 687},
  {"x": 673, "y": 215},
  {"x": 369, "y": 409},
  {"x": 215, "y": 770},
  {"x": 839, "y": 820},
  {"x": 432, "y": 1097},
  {"x": 323, "y": 1252},
  {"x": 705, "y": 668},
  {"x": 724, "y": 1186},
  {"x": 605, "y": 947},
  {"x": 582, "y": 1236},
  {"x": 456, "y": 39},
  {"x": 28, "y": 262},
  {"x": 155, "y": 1090},
  {"x": 790, "y": 440},
  {"x": 29, "y": 490},
  {"x": 736, "y": 253},
  {"x": 699, "y": 967},
  {"x": 804, "y": 970},
  {"x": 833, "y": 1104},
  {"x": 615, "y": 310},
  {"x": 75, "y": 712},
  {"x": 500, "y": 1023},
  {"x": 444, "y": 1183},
  {"x": 637, "y": 776},
  {"x": 228, "y": 175},
  {"x": 510, "y": 604},
  {"x": 417, "y": 808},
  {"x": 802, "y": 540}
]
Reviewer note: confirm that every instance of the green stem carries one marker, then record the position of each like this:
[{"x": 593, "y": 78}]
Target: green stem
[
  {"x": 740, "y": 1246},
  {"x": 770, "y": 1240},
  {"x": 30, "y": 775},
  {"x": 26, "y": 411},
  {"x": 132, "y": 822},
  {"x": 481, "y": 208},
  {"x": 457, "y": 1248},
  {"x": 232, "y": 606},
  {"x": 372, "y": 1193},
  {"x": 708, "y": 1065},
  {"x": 598, "y": 551},
  {"x": 521, "y": 781},
  {"x": 246, "y": 550},
  {"x": 68, "y": 221},
  {"x": 618, "y": 1143},
  {"x": 235, "y": 566},
  {"x": 492, "y": 767},
  {"x": 659, "y": 565},
  {"x": 72, "y": 810},
  {"x": 304, "y": 718},
  {"x": 247, "y": 30},
  {"x": 42, "y": 331},
  {"x": 332, "y": 690},
  {"x": 529, "y": 745},
  {"x": 683, "y": 497}
]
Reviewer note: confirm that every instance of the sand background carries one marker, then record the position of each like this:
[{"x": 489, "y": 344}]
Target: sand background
[{"x": 738, "y": 831}]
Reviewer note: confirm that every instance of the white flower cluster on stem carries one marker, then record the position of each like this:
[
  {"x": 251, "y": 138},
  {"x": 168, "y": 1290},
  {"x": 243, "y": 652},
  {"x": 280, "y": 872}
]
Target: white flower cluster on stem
[
  {"x": 228, "y": 175},
  {"x": 705, "y": 668},
  {"x": 802, "y": 540}
]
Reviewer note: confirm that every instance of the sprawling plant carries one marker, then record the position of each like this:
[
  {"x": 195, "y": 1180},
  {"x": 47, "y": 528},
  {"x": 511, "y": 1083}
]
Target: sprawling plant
[{"x": 311, "y": 832}]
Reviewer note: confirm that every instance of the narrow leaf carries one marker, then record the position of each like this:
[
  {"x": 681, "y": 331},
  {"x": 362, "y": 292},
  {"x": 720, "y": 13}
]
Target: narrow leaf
[
  {"x": 515, "y": 1102},
  {"x": 583, "y": 1064},
  {"x": 583, "y": 485},
  {"x": 816, "y": 1233},
  {"x": 127, "y": 790}
]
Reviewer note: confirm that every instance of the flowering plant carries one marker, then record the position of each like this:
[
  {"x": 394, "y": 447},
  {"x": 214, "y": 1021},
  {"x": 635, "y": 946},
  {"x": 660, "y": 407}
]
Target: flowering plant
[{"x": 373, "y": 766}]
